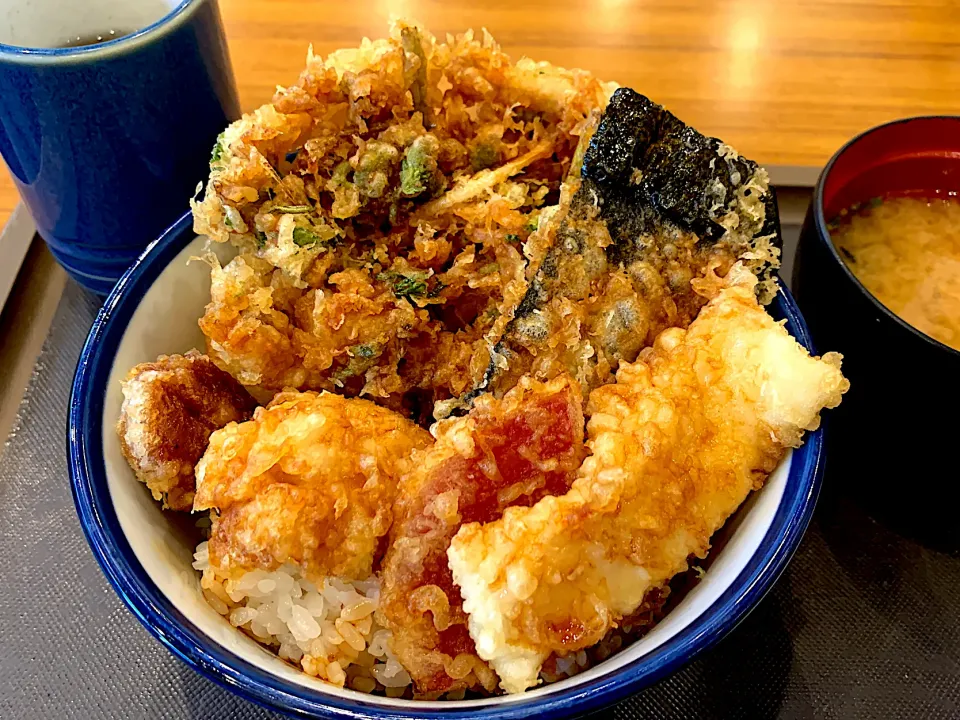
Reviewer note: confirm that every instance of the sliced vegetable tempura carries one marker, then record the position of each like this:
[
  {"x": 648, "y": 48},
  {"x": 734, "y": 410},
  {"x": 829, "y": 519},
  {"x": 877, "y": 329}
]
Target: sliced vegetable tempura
[{"x": 654, "y": 208}]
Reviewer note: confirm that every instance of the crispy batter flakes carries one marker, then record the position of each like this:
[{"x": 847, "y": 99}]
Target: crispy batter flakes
[{"x": 381, "y": 207}]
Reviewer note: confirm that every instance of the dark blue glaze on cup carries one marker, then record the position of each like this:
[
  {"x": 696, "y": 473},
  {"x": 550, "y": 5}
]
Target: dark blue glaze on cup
[{"x": 108, "y": 142}]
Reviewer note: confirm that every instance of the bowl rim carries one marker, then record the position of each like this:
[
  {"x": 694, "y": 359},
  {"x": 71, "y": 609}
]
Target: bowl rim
[
  {"x": 158, "y": 615},
  {"x": 820, "y": 223},
  {"x": 169, "y": 21}
]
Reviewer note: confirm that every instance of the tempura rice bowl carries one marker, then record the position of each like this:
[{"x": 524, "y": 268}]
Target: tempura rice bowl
[{"x": 148, "y": 555}]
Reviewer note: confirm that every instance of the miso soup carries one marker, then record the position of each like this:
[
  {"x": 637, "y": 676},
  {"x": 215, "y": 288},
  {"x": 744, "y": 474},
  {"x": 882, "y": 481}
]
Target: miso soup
[{"x": 906, "y": 252}]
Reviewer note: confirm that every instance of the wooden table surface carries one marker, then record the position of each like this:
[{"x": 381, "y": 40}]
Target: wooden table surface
[{"x": 786, "y": 82}]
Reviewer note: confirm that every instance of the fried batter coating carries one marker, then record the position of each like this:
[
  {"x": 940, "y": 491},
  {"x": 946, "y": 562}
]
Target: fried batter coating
[
  {"x": 509, "y": 452},
  {"x": 381, "y": 206},
  {"x": 310, "y": 481},
  {"x": 678, "y": 442},
  {"x": 169, "y": 409},
  {"x": 655, "y": 207}
]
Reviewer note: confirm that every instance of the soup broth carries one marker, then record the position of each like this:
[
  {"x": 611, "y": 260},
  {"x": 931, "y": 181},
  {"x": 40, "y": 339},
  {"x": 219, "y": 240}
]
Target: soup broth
[{"x": 906, "y": 252}]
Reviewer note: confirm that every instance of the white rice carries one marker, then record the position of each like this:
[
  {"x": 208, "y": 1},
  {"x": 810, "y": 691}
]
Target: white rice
[
  {"x": 328, "y": 630},
  {"x": 558, "y": 668}
]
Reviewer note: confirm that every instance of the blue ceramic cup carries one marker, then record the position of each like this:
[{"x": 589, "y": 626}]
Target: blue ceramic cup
[{"x": 107, "y": 140}]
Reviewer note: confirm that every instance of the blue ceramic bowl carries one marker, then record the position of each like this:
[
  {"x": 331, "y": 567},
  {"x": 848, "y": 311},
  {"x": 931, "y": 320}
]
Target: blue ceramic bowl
[{"x": 146, "y": 557}]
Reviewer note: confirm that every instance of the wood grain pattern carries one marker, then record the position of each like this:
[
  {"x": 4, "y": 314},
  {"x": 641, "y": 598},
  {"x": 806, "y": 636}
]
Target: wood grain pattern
[
  {"x": 8, "y": 196},
  {"x": 786, "y": 82}
]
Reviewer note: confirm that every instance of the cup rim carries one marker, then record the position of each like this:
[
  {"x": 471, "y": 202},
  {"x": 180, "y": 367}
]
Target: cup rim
[
  {"x": 163, "y": 621},
  {"x": 820, "y": 222},
  {"x": 20, "y": 53}
]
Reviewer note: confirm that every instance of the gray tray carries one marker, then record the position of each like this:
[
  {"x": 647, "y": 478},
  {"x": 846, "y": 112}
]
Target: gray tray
[{"x": 865, "y": 623}]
